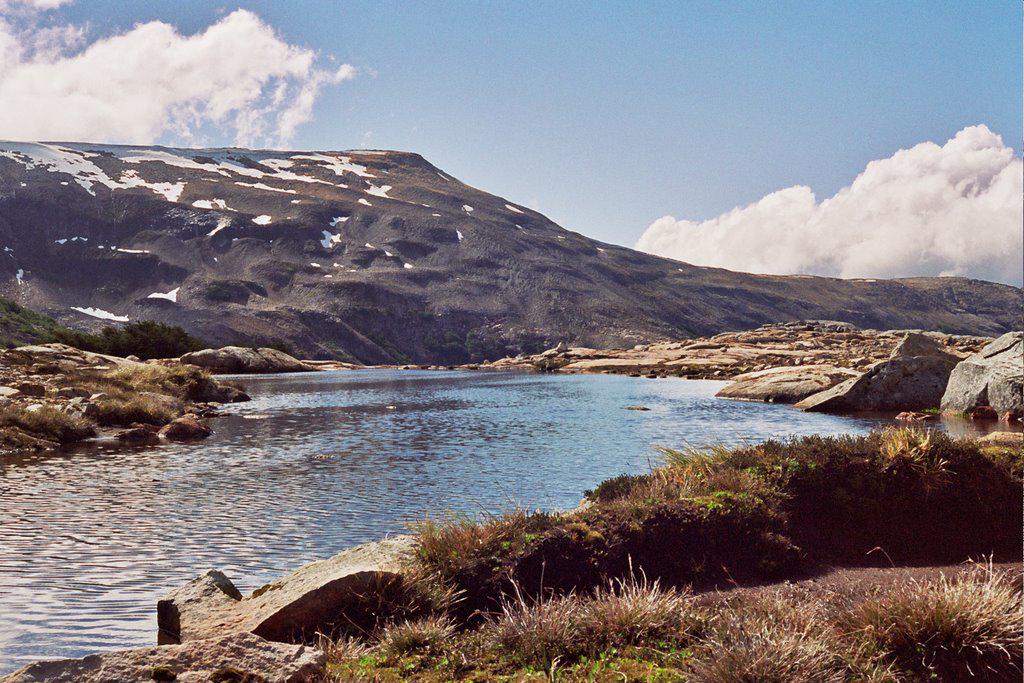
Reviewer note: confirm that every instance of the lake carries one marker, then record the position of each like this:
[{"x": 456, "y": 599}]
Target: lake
[{"x": 89, "y": 540}]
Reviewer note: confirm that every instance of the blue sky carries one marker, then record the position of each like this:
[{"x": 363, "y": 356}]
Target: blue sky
[{"x": 607, "y": 116}]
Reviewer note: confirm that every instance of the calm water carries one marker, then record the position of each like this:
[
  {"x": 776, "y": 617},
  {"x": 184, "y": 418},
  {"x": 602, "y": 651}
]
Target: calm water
[{"x": 316, "y": 463}]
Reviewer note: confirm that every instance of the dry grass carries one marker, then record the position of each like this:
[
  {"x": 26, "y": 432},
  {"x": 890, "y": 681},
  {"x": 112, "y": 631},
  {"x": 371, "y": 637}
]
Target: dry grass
[
  {"x": 342, "y": 649},
  {"x": 411, "y": 636},
  {"x": 770, "y": 639},
  {"x": 48, "y": 423},
  {"x": 537, "y": 632},
  {"x": 967, "y": 626},
  {"x": 125, "y": 409},
  {"x": 630, "y": 611},
  {"x": 180, "y": 381}
]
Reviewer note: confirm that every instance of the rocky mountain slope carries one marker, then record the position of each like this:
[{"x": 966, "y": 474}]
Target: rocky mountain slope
[{"x": 379, "y": 256}]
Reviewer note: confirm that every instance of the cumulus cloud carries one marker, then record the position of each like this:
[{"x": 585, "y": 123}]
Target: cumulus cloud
[
  {"x": 954, "y": 209},
  {"x": 152, "y": 82}
]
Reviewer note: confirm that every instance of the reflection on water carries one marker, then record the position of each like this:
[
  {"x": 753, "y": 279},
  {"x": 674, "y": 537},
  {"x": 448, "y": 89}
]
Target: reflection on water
[{"x": 315, "y": 463}]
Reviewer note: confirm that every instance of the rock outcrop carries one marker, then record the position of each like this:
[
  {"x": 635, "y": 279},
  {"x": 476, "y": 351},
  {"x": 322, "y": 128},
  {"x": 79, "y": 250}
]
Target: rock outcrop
[
  {"x": 914, "y": 378},
  {"x": 312, "y": 599},
  {"x": 232, "y": 657},
  {"x": 242, "y": 360},
  {"x": 786, "y": 384},
  {"x": 729, "y": 354},
  {"x": 992, "y": 377}
]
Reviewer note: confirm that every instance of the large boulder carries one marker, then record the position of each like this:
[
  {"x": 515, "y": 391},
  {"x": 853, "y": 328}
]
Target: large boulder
[
  {"x": 913, "y": 378},
  {"x": 786, "y": 384},
  {"x": 231, "y": 657},
  {"x": 242, "y": 360},
  {"x": 316, "y": 598},
  {"x": 992, "y": 377}
]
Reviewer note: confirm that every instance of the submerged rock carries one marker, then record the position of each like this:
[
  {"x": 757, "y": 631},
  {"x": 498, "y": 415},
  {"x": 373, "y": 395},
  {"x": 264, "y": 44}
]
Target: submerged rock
[
  {"x": 787, "y": 384},
  {"x": 232, "y": 657},
  {"x": 313, "y": 599},
  {"x": 914, "y": 378},
  {"x": 185, "y": 428},
  {"x": 239, "y": 360},
  {"x": 992, "y": 377}
]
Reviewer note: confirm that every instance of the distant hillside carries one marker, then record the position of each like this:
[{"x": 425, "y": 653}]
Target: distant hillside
[
  {"x": 380, "y": 256},
  {"x": 20, "y": 326}
]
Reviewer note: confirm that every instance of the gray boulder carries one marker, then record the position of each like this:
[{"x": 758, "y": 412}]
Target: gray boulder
[
  {"x": 232, "y": 657},
  {"x": 312, "y": 599},
  {"x": 992, "y": 377},
  {"x": 787, "y": 384},
  {"x": 913, "y": 378},
  {"x": 242, "y": 360}
]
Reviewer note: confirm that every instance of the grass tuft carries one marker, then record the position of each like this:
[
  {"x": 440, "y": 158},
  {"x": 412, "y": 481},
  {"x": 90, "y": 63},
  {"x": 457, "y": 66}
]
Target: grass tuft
[
  {"x": 537, "y": 632},
  {"x": 124, "y": 409},
  {"x": 628, "y": 611},
  {"x": 411, "y": 636},
  {"x": 769, "y": 639},
  {"x": 950, "y": 628}
]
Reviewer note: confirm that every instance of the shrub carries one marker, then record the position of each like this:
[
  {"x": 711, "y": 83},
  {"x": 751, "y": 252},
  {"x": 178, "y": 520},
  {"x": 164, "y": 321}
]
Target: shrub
[
  {"x": 48, "y": 423},
  {"x": 145, "y": 339},
  {"x": 952, "y": 628},
  {"x": 750, "y": 513},
  {"x": 421, "y": 634}
]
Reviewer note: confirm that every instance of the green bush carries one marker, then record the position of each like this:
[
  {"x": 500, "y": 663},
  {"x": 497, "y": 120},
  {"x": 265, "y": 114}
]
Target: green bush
[{"x": 146, "y": 339}]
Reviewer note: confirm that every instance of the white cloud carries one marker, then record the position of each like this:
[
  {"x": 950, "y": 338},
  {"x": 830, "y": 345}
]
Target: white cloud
[
  {"x": 152, "y": 82},
  {"x": 31, "y": 5},
  {"x": 928, "y": 210}
]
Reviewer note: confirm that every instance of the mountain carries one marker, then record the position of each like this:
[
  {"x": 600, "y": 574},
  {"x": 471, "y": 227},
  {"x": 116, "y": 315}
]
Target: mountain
[{"x": 379, "y": 256}]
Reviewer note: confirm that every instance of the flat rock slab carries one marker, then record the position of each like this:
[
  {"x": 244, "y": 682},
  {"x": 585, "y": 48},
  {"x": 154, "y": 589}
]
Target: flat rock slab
[
  {"x": 62, "y": 355},
  {"x": 786, "y": 384},
  {"x": 241, "y": 655},
  {"x": 1003, "y": 439},
  {"x": 312, "y": 599}
]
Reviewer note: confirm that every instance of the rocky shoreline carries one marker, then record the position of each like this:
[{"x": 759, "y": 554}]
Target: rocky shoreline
[{"x": 53, "y": 395}]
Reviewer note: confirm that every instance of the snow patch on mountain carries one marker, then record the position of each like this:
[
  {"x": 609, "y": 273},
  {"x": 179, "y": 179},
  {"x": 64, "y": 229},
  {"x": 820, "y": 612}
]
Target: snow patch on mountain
[
  {"x": 169, "y": 296},
  {"x": 101, "y": 314}
]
